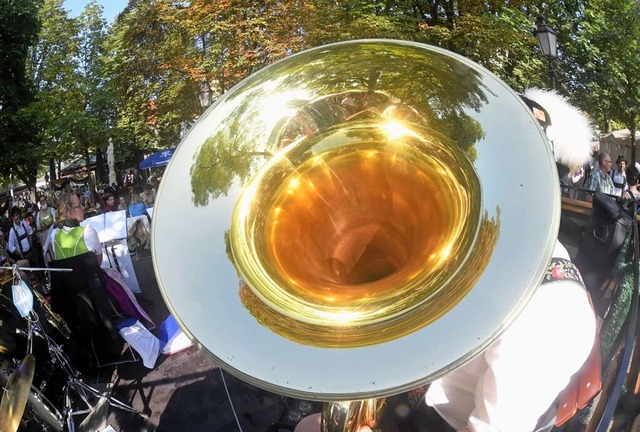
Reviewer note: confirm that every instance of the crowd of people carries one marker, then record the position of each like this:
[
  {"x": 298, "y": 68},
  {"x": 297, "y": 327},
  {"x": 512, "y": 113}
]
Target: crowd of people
[
  {"x": 618, "y": 180},
  {"x": 50, "y": 231},
  {"x": 26, "y": 225}
]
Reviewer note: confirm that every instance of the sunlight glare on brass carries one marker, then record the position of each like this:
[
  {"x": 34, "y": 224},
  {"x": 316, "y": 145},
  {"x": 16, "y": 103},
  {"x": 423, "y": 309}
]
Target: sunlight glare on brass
[
  {"x": 16, "y": 394},
  {"x": 360, "y": 219}
]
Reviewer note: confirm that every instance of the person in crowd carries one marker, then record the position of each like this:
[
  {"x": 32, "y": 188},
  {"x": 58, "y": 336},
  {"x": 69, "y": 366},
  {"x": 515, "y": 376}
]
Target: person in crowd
[
  {"x": 155, "y": 183},
  {"x": 19, "y": 244},
  {"x": 109, "y": 203},
  {"x": 576, "y": 180},
  {"x": 631, "y": 196},
  {"x": 86, "y": 195},
  {"x": 122, "y": 203},
  {"x": 22, "y": 247},
  {"x": 129, "y": 178},
  {"x": 70, "y": 239},
  {"x": 148, "y": 195},
  {"x": 618, "y": 176},
  {"x": 600, "y": 181},
  {"x": 44, "y": 219}
]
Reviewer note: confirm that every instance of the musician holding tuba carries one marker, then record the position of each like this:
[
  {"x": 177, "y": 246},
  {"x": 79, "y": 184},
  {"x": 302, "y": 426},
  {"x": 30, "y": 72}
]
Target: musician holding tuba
[{"x": 513, "y": 385}]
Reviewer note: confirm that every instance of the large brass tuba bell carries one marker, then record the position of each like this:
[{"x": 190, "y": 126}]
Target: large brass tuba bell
[{"x": 356, "y": 220}]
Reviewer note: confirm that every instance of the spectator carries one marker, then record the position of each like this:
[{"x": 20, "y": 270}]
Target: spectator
[
  {"x": 619, "y": 177},
  {"x": 44, "y": 219},
  {"x": 148, "y": 195},
  {"x": 631, "y": 196},
  {"x": 576, "y": 179},
  {"x": 600, "y": 180},
  {"x": 19, "y": 245},
  {"x": 109, "y": 203},
  {"x": 122, "y": 203}
]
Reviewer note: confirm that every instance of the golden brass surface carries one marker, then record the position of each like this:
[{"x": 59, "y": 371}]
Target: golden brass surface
[
  {"x": 357, "y": 227},
  {"x": 54, "y": 319},
  {"x": 356, "y": 220},
  {"x": 16, "y": 393}
]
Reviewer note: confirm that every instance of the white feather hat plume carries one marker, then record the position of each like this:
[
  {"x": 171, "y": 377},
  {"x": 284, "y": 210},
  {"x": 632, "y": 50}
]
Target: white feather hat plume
[{"x": 571, "y": 133}]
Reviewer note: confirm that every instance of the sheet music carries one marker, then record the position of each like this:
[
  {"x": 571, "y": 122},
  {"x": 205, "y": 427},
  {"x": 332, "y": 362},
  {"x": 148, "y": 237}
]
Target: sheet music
[{"x": 109, "y": 226}]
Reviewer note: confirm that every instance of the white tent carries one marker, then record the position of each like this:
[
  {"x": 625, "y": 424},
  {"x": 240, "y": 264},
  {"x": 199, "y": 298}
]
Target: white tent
[{"x": 619, "y": 143}]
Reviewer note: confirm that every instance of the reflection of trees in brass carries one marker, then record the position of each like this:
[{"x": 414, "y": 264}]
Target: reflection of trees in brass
[
  {"x": 220, "y": 160},
  {"x": 345, "y": 83},
  {"x": 370, "y": 334},
  {"x": 441, "y": 88}
]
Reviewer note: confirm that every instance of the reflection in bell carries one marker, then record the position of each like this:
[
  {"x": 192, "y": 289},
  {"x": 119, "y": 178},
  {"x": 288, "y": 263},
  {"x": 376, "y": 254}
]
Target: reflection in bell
[{"x": 357, "y": 225}]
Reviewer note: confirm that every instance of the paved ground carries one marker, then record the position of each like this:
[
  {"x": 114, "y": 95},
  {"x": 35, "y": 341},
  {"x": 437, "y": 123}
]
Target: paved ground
[{"x": 188, "y": 392}]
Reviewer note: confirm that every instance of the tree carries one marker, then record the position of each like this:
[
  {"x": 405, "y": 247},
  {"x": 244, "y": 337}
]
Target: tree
[
  {"x": 19, "y": 141},
  {"x": 74, "y": 101},
  {"x": 166, "y": 53},
  {"x": 623, "y": 70}
]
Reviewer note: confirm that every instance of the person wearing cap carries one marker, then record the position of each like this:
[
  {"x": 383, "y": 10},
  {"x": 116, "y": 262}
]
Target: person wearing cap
[
  {"x": 600, "y": 181},
  {"x": 619, "y": 176},
  {"x": 550, "y": 341}
]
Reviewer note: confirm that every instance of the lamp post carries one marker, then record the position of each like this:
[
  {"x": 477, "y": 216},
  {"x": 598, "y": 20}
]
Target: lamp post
[{"x": 548, "y": 42}]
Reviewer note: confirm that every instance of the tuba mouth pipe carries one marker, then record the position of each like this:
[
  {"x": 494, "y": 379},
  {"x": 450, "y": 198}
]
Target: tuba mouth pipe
[{"x": 377, "y": 210}]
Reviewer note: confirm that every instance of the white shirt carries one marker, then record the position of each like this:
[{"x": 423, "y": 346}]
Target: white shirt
[
  {"x": 12, "y": 245},
  {"x": 620, "y": 178},
  {"x": 513, "y": 383}
]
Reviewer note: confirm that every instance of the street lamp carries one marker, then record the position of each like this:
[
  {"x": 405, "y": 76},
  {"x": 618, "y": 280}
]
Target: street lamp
[
  {"x": 205, "y": 93},
  {"x": 548, "y": 42}
]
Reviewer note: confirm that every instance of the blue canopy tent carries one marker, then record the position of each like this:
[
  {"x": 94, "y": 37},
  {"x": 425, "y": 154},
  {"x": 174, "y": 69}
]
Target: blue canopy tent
[{"x": 157, "y": 159}]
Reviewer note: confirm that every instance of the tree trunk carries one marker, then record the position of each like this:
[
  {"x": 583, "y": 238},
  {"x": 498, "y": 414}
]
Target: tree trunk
[
  {"x": 52, "y": 170},
  {"x": 100, "y": 171},
  {"x": 92, "y": 186},
  {"x": 632, "y": 129}
]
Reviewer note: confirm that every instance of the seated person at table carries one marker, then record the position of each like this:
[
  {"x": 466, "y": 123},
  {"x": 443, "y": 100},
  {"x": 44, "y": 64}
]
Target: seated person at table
[{"x": 70, "y": 239}]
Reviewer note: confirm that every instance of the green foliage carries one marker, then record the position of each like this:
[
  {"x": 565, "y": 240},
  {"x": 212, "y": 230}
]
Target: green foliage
[
  {"x": 19, "y": 141},
  {"x": 139, "y": 81}
]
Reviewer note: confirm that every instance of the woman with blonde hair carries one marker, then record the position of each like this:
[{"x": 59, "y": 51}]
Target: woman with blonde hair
[{"x": 69, "y": 238}]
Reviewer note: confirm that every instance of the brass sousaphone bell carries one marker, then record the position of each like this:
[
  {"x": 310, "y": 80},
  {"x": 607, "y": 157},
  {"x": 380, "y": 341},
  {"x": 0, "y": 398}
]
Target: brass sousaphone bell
[{"x": 356, "y": 220}]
